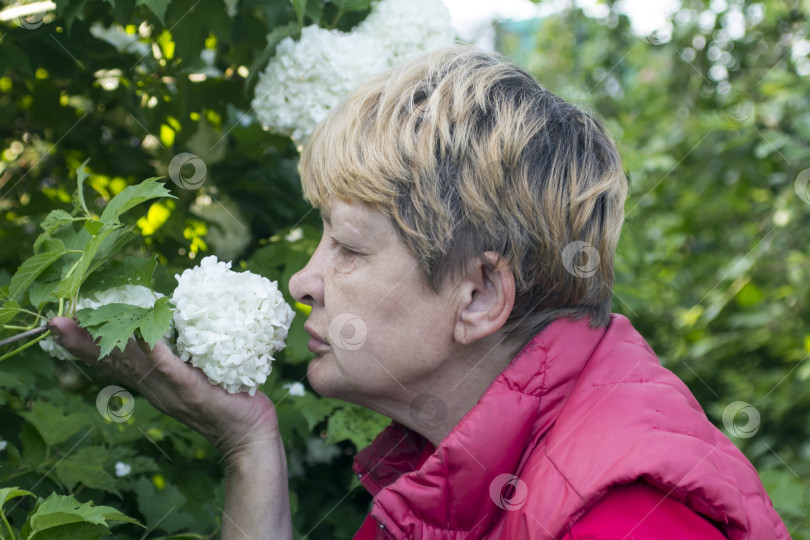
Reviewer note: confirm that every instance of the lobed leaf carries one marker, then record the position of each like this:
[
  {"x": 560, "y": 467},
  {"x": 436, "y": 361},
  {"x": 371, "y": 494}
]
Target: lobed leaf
[
  {"x": 130, "y": 271},
  {"x": 357, "y": 424},
  {"x": 62, "y": 516},
  {"x": 52, "y": 423},
  {"x": 85, "y": 467},
  {"x": 113, "y": 324}
]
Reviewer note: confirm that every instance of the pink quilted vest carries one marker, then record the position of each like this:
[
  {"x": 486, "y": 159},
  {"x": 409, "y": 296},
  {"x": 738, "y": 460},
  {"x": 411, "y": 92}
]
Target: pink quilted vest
[{"x": 577, "y": 411}]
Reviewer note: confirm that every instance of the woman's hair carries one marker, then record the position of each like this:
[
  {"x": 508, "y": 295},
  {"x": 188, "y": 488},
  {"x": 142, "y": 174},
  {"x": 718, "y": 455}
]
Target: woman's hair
[{"x": 465, "y": 152}]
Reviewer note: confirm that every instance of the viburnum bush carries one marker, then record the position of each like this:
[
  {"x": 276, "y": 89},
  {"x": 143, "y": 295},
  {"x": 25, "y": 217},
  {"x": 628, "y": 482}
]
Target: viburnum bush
[
  {"x": 95, "y": 98},
  {"x": 230, "y": 324}
]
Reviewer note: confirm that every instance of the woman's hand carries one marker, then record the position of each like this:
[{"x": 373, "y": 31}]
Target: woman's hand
[
  {"x": 243, "y": 428},
  {"x": 178, "y": 389}
]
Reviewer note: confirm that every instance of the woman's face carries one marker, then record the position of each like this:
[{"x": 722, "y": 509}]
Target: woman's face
[{"x": 379, "y": 331}]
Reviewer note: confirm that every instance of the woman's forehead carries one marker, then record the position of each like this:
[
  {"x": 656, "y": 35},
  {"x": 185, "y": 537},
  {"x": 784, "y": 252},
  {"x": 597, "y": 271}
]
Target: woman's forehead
[{"x": 352, "y": 216}]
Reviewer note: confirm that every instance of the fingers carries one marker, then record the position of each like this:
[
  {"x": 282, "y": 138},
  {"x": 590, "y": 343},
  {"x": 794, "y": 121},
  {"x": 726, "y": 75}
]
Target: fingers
[
  {"x": 123, "y": 365},
  {"x": 67, "y": 333}
]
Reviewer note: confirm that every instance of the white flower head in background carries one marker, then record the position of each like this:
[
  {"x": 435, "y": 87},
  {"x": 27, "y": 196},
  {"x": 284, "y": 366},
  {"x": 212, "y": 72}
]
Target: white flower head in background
[
  {"x": 295, "y": 389},
  {"x": 122, "y": 469},
  {"x": 229, "y": 324},
  {"x": 320, "y": 452},
  {"x": 134, "y": 295},
  {"x": 407, "y": 28},
  {"x": 307, "y": 78}
]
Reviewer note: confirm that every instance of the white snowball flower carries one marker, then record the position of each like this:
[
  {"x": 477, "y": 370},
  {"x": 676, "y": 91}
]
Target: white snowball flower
[
  {"x": 294, "y": 235},
  {"x": 295, "y": 389},
  {"x": 122, "y": 469},
  {"x": 3, "y": 445},
  {"x": 406, "y": 28},
  {"x": 307, "y": 78},
  {"x": 318, "y": 452},
  {"x": 229, "y": 324},
  {"x": 134, "y": 295}
]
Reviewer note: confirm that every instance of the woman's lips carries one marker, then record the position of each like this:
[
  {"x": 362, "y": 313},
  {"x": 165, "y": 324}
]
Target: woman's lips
[{"x": 317, "y": 346}]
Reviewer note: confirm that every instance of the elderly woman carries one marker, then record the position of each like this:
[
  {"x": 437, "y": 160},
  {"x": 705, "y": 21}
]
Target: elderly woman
[{"x": 462, "y": 287}]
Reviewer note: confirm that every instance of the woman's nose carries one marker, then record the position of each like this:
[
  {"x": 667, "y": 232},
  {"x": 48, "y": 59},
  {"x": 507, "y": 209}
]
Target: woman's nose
[{"x": 306, "y": 285}]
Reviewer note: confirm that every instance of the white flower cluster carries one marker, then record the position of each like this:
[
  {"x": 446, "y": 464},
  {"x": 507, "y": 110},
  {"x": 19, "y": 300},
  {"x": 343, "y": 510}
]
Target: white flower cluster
[
  {"x": 307, "y": 78},
  {"x": 134, "y": 295},
  {"x": 122, "y": 469},
  {"x": 229, "y": 324}
]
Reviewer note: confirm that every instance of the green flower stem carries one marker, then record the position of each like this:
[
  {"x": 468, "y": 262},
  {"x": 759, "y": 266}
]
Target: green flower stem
[
  {"x": 35, "y": 314},
  {"x": 15, "y": 327},
  {"x": 25, "y": 346},
  {"x": 8, "y": 526}
]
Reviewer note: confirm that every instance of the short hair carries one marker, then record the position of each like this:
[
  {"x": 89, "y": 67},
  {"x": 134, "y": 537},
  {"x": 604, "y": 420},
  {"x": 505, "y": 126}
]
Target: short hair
[{"x": 466, "y": 153}]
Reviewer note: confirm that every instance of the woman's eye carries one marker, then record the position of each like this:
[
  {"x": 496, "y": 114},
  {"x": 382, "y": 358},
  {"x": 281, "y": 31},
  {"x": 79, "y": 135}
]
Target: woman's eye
[{"x": 344, "y": 250}]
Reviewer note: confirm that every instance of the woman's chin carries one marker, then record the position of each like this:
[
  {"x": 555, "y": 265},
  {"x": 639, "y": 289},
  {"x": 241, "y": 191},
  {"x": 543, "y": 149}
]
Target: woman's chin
[{"x": 321, "y": 374}]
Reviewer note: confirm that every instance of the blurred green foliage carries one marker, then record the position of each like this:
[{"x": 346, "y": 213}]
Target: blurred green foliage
[
  {"x": 712, "y": 269},
  {"x": 170, "y": 77}
]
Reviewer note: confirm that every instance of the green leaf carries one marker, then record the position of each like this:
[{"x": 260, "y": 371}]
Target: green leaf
[
  {"x": 130, "y": 271},
  {"x": 92, "y": 226},
  {"x": 158, "y": 7},
  {"x": 45, "y": 242},
  {"x": 352, "y": 5},
  {"x": 163, "y": 506},
  {"x": 30, "y": 270},
  {"x": 156, "y": 322},
  {"x": 8, "y": 311},
  {"x": 194, "y": 21},
  {"x": 110, "y": 247},
  {"x": 132, "y": 196},
  {"x": 81, "y": 176},
  {"x": 85, "y": 466},
  {"x": 52, "y": 423},
  {"x": 6, "y": 494},
  {"x": 40, "y": 294},
  {"x": 300, "y": 7},
  {"x": 56, "y": 219},
  {"x": 114, "y": 324},
  {"x": 62, "y": 516},
  {"x": 314, "y": 408},
  {"x": 34, "y": 448},
  {"x": 70, "y": 285},
  {"x": 357, "y": 424}
]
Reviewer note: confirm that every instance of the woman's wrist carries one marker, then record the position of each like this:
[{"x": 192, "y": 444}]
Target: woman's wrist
[{"x": 256, "y": 478}]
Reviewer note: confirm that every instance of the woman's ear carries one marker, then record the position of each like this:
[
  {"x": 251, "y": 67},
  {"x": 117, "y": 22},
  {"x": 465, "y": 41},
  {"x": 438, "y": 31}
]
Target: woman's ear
[{"x": 487, "y": 297}]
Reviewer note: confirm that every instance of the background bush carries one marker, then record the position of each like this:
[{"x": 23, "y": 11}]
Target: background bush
[{"x": 713, "y": 266}]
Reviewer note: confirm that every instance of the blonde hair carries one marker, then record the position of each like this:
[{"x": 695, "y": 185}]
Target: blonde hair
[{"x": 465, "y": 152}]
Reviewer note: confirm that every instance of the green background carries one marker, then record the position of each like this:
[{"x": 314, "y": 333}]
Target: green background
[{"x": 712, "y": 268}]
